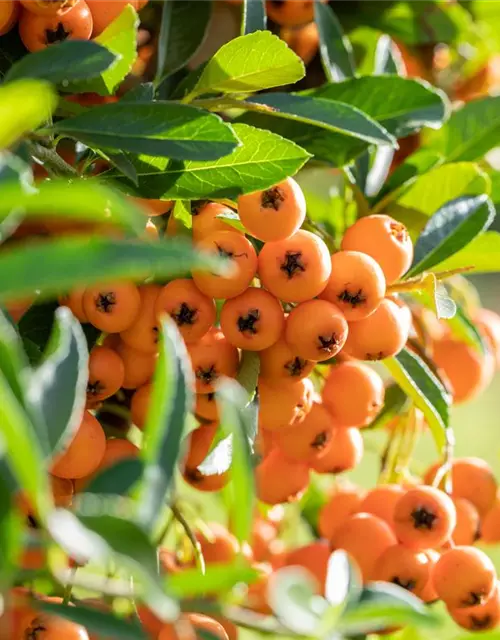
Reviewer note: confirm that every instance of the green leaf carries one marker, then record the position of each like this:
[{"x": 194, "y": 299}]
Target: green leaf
[
  {"x": 81, "y": 200},
  {"x": 217, "y": 578},
  {"x": 450, "y": 229},
  {"x": 13, "y": 363},
  {"x": 56, "y": 390},
  {"x": 328, "y": 114},
  {"x": 482, "y": 255},
  {"x": 11, "y": 524},
  {"x": 471, "y": 131},
  {"x": 253, "y": 16},
  {"x": 36, "y": 325},
  {"x": 414, "y": 165},
  {"x": 425, "y": 389},
  {"x": 262, "y": 160},
  {"x": 341, "y": 579},
  {"x": 122, "y": 162},
  {"x": 400, "y": 105},
  {"x": 183, "y": 30},
  {"x": 24, "y": 105},
  {"x": 233, "y": 400},
  {"x": 70, "y": 60},
  {"x": 248, "y": 373},
  {"x": 154, "y": 128},
  {"x": 219, "y": 459},
  {"x": 394, "y": 403},
  {"x": 120, "y": 37},
  {"x": 144, "y": 92},
  {"x": 61, "y": 265},
  {"x": 258, "y": 60},
  {"x": 117, "y": 479},
  {"x": 182, "y": 213},
  {"x": 171, "y": 401},
  {"x": 335, "y": 49},
  {"x": 387, "y": 59},
  {"x": 96, "y": 622}
]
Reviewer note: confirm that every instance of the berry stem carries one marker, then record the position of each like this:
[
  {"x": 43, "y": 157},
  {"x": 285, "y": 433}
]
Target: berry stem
[{"x": 198, "y": 555}]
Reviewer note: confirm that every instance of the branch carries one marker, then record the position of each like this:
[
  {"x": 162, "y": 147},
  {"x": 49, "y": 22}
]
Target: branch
[{"x": 52, "y": 159}]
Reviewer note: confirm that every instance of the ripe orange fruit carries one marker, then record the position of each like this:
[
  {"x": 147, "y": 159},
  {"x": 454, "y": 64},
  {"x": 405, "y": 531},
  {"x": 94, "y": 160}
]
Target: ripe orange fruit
[
  {"x": 206, "y": 407},
  {"x": 45, "y": 627},
  {"x": 74, "y": 301},
  {"x": 405, "y": 567},
  {"x": 241, "y": 254},
  {"x": 143, "y": 334},
  {"x": 489, "y": 324},
  {"x": 48, "y": 7},
  {"x": 139, "y": 405},
  {"x": 275, "y": 213},
  {"x": 295, "y": 269},
  {"x": 480, "y": 617},
  {"x": 205, "y": 220},
  {"x": 106, "y": 374},
  {"x": 384, "y": 239},
  {"x": 103, "y": 14},
  {"x": 304, "y": 41},
  {"x": 424, "y": 518},
  {"x": 365, "y": 538},
  {"x": 151, "y": 207},
  {"x": 84, "y": 453},
  {"x": 381, "y": 501},
  {"x": 354, "y": 393},
  {"x": 290, "y": 13},
  {"x": 208, "y": 483},
  {"x": 62, "y": 491},
  {"x": 356, "y": 284},
  {"x": 198, "y": 446},
  {"x": 279, "y": 479},
  {"x": 314, "y": 558},
  {"x": 381, "y": 335},
  {"x": 311, "y": 440},
  {"x": 285, "y": 406},
  {"x": 212, "y": 357},
  {"x": 9, "y": 15},
  {"x": 467, "y": 529},
  {"x": 40, "y": 31},
  {"x": 279, "y": 364},
  {"x": 467, "y": 370},
  {"x": 316, "y": 330},
  {"x": 253, "y": 321},
  {"x": 112, "y": 308},
  {"x": 464, "y": 577},
  {"x": 222, "y": 548},
  {"x": 192, "y": 311},
  {"x": 343, "y": 502},
  {"x": 201, "y": 622},
  {"x": 263, "y": 535},
  {"x": 139, "y": 366},
  {"x": 344, "y": 454},
  {"x": 490, "y": 525}
]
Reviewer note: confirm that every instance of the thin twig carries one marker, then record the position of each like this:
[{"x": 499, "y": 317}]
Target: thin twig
[
  {"x": 52, "y": 159},
  {"x": 198, "y": 555}
]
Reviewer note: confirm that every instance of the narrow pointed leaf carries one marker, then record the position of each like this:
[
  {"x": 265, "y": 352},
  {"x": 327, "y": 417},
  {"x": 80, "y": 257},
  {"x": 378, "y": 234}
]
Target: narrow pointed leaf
[
  {"x": 335, "y": 49},
  {"x": 253, "y": 16}
]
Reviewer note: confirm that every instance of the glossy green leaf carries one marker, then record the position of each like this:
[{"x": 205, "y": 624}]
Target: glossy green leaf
[
  {"x": 248, "y": 373},
  {"x": 414, "y": 165},
  {"x": 154, "y": 128},
  {"x": 124, "y": 164},
  {"x": 81, "y": 200},
  {"x": 36, "y": 326},
  {"x": 217, "y": 578},
  {"x": 13, "y": 362},
  {"x": 482, "y": 255},
  {"x": 70, "y": 60},
  {"x": 55, "y": 267},
  {"x": 335, "y": 49},
  {"x": 387, "y": 60},
  {"x": 144, "y": 92},
  {"x": 253, "y": 16},
  {"x": 171, "y": 401},
  {"x": 395, "y": 401},
  {"x": 95, "y": 621},
  {"x": 182, "y": 32},
  {"x": 425, "y": 389},
  {"x": 56, "y": 389},
  {"x": 11, "y": 524},
  {"x": 24, "y": 105},
  {"x": 400, "y": 105},
  {"x": 258, "y": 60},
  {"x": 262, "y": 160},
  {"x": 450, "y": 229},
  {"x": 328, "y": 114},
  {"x": 117, "y": 479},
  {"x": 120, "y": 37}
]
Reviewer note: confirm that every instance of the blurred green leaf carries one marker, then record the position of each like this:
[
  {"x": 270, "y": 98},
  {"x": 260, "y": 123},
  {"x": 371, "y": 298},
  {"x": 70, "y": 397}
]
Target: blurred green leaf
[
  {"x": 217, "y": 578},
  {"x": 57, "y": 266},
  {"x": 395, "y": 401},
  {"x": 335, "y": 49},
  {"x": 341, "y": 579},
  {"x": 36, "y": 325},
  {"x": 13, "y": 362},
  {"x": 248, "y": 373},
  {"x": 482, "y": 255},
  {"x": 24, "y": 105},
  {"x": 388, "y": 60},
  {"x": 11, "y": 524},
  {"x": 253, "y": 16},
  {"x": 414, "y": 165},
  {"x": 117, "y": 479}
]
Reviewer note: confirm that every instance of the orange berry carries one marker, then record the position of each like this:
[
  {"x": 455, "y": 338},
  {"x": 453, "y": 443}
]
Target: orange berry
[
  {"x": 241, "y": 254},
  {"x": 384, "y": 239},
  {"x": 479, "y": 617},
  {"x": 356, "y": 284},
  {"x": 275, "y": 213},
  {"x": 354, "y": 393},
  {"x": 316, "y": 330},
  {"x": 464, "y": 577},
  {"x": 229, "y": 627},
  {"x": 139, "y": 366},
  {"x": 257, "y": 595},
  {"x": 381, "y": 335},
  {"x": 207, "y": 483},
  {"x": 17, "y": 613},
  {"x": 9, "y": 15},
  {"x": 381, "y": 501},
  {"x": 263, "y": 534},
  {"x": 314, "y": 558},
  {"x": 424, "y": 518},
  {"x": 290, "y": 13},
  {"x": 253, "y": 320},
  {"x": 192, "y": 311},
  {"x": 84, "y": 453},
  {"x": 488, "y": 323},
  {"x": 117, "y": 449},
  {"x": 74, "y": 301},
  {"x": 467, "y": 370},
  {"x": 344, "y": 454},
  {"x": 139, "y": 405},
  {"x": 405, "y": 567},
  {"x": 62, "y": 491},
  {"x": 365, "y": 538},
  {"x": 40, "y": 31},
  {"x": 106, "y": 374},
  {"x": 264, "y": 442},
  {"x": 201, "y": 622},
  {"x": 285, "y": 406},
  {"x": 304, "y": 41},
  {"x": 490, "y": 525},
  {"x": 104, "y": 12},
  {"x": 205, "y": 220},
  {"x": 279, "y": 364},
  {"x": 206, "y": 407},
  {"x": 112, "y": 308},
  {"x": 212, "y": 357},
  {"x": 467, "y": 529},
  {"x": 295, "y": 269},
  {"x": 48, "y": 7},
  {"x": 45, "y": 627},
  {"x": 428, "y": 594},
  {"x": 279, "y": 479},
  {"x": 142, "y": 335},
  {"x": 311, "y": 441},
  {"x": 223, "y": 548},
  {"x": 343, "y": 502},
  {"x": 151, "y": 208},
  {"x": 199, "y": 443}
]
